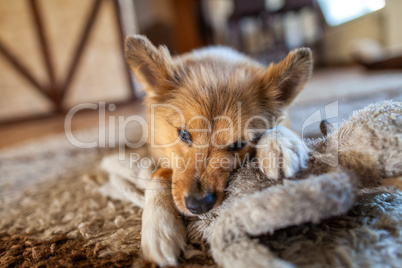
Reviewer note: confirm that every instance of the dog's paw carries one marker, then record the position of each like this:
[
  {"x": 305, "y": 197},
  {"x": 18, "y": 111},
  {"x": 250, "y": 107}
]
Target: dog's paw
[
  {"x": 162, "y": 238},
  {"x": 280, "y": 152},
  {"x": 163, "y": 234}
]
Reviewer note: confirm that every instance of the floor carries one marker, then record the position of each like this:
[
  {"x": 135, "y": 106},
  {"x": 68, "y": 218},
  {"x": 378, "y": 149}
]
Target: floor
[
  {"x": 16, "y": 133},
  {"x": 335, "y": 83}
]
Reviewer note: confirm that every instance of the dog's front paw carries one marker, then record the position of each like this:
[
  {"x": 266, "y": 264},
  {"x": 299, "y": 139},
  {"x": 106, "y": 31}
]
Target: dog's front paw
[
  {"x": 163, "y": 234},
  {"x": 162, "y": 238},
  {"x": 280, "y": 152}
]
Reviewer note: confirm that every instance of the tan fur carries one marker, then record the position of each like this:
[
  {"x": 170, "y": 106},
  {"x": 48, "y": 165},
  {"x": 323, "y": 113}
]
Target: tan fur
[{"x": 206, "y": 86}]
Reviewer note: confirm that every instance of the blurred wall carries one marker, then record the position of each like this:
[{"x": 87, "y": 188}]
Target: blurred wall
[
  {"x": 383, "y": 27},
  {"x": 150, "y": 11},
  {"x": 174, "y": 23},
  {"x": 393, "y": 24},
  {"x": 338, "y": 41}
]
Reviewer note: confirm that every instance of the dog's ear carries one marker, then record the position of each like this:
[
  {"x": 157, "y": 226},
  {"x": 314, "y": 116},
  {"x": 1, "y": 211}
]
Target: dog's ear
[
  {"x": 289, "y": 76},
  {"x": 152, "y": 66}
]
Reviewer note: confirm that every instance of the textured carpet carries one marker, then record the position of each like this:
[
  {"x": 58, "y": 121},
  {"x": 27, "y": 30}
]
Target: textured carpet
[{"x": 52, "y": 214}]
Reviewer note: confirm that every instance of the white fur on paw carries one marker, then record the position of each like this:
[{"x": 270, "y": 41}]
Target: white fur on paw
[
  {"x": 281, "y": 152},
  {"x": 163, "y": 235}
]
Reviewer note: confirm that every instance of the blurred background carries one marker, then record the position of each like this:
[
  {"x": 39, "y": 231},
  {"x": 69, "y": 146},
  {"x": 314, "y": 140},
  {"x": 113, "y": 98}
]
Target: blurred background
[{"x": 55, "y": 54}]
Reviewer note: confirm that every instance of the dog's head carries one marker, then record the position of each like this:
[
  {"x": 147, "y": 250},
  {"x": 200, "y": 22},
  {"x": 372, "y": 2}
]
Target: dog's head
[{"x": 208, "y": 110}]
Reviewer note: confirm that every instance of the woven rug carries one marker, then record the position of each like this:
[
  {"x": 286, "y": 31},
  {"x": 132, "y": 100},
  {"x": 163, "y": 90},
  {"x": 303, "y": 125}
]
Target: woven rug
[{"x": 53, "y": 214}]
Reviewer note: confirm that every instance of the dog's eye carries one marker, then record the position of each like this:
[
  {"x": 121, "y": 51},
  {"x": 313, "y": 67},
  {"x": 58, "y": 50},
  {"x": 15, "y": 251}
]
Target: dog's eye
[
  {"x": 237, "y": 146},
  {"x": 185, "y": 136}
]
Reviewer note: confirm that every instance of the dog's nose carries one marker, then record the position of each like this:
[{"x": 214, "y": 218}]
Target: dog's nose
[{"x": 202, "y": 205}]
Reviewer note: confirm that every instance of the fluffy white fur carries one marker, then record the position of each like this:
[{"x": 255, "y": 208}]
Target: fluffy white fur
[{"x": 281, "y": 152}]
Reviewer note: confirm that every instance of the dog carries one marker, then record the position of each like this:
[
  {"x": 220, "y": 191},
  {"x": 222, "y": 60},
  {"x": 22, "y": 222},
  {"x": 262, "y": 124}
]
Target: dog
[{"x": 210, "y": 111}]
